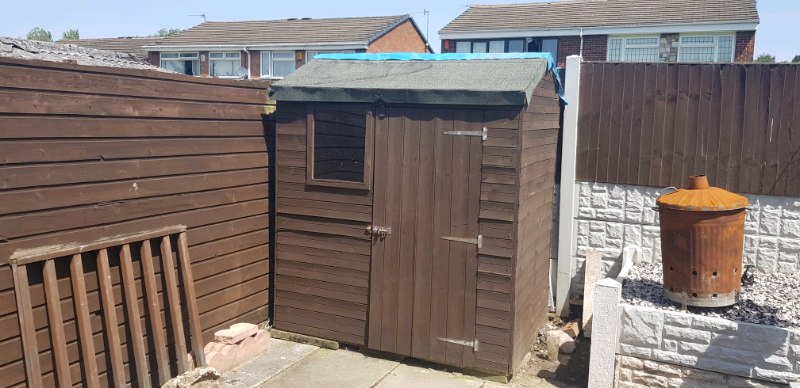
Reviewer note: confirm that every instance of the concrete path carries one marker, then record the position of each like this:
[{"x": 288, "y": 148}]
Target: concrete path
[{"x": 292, "y": 365}]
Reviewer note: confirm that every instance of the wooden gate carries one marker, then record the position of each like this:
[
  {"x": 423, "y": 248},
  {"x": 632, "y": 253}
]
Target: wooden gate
[{"x": 424, "y": 262}]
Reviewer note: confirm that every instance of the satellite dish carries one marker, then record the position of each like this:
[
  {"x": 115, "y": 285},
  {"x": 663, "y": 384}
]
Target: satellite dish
[{"x": 242, "y": 72}]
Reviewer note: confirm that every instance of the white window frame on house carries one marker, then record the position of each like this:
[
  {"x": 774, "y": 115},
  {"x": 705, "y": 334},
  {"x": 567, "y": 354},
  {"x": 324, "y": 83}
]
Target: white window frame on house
[
  {"x": 714, "y": 45},
  {"x": 310, "y": 54},
  {"x": 633, "y": 45},
  {"x": 230, "y": 56},
  {"x": 271, "y": 60},
  {"x": 178, "y": 56}
]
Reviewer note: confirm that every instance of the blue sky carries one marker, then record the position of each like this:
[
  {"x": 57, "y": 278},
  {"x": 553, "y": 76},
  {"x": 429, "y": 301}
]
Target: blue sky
[{"x": 103, "y": 19}]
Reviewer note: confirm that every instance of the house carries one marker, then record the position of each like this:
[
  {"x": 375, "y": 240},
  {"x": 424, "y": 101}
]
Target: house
[
  {"x": 611, "y": 30},
  {"x": 129, "y": 44},
  {"x": 273, "y": 49}
]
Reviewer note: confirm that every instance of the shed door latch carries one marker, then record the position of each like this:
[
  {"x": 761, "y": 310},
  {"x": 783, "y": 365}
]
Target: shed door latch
[
  {"x": 474, "y": 344},
  {"x": 379, "y": 230},
  {"x": 482, "y": 134},
  {"x": 477, "y": 241}
]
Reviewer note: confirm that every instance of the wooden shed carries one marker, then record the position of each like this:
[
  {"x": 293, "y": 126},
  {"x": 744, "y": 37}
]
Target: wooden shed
[{"x": 414, "y": 203}]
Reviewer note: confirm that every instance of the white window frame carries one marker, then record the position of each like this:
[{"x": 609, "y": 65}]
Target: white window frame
[
  {"x": 268, "y": 54},
  {"x": 272, "y": 62},
  {"x": 309, "y": 57},
  {"x": 714, "y": 45},
  {"x": 182, "y": 56},
  {"x": 632, "y": 46},
  {"x": 238, "y": 61}
]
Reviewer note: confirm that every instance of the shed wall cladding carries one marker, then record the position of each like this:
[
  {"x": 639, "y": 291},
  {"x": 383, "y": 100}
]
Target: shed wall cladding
[
  {"x": 657, "y": 124},
  {"x": 92, "y": 152},
  {"x": 327, "y": 264}
]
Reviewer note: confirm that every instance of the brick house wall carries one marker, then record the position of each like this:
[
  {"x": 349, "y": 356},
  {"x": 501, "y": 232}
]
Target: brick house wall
[
  {"x": 404, "y": 38},
  {"x": 594, "y": 48},
  {"x": 448, "y": 46},
  {"x": 745, "y": 46}
]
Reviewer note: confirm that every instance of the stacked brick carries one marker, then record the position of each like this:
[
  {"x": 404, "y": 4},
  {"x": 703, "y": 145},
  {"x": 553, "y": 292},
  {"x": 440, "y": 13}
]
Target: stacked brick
[
  {"x": 712, "y": 344},
  {"x": 236, "y": 345},
  {"x": 745, "y": 46},
  {"x": 637, "y": 373}
]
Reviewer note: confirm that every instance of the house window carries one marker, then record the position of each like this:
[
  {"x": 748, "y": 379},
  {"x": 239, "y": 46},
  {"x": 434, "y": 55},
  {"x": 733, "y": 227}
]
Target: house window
[
  {"x": 633, "y": 49},
  {"x": 516, "y": 45},
  {"x": 339, "y": 146},
  {"x": 184, "y": 63},
  {"x": 464, "y": 47},
  {"x": 709, "y": 48},
  {"x": 277, "y": 64},
  {"x": 310, "y": 54},
  {"x": 497, "y": 46},
  {"x": 224, "y": 64},
  {"x": 479, "y": 47}
]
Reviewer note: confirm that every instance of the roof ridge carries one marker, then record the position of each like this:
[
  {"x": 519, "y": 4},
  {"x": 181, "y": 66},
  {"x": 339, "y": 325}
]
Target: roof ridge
[{"x": 304, "y": 19}]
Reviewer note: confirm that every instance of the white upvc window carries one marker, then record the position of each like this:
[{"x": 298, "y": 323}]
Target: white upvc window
[
  {"x": 311, "y": 54},
  {"x": 706, "y": 48},
  {"x": 277, "y": 64},
  {"x": 633, "y": 49},
  {"x": 224, "y": 64},
  {"x": 184, "y": 63}
]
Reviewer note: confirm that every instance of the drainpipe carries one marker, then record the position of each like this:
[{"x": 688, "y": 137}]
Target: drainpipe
[
  {"x": 581, "y": 52},
  {"x": 249, "y": 71}
]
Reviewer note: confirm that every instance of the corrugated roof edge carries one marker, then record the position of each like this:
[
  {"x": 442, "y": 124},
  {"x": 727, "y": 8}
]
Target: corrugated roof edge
[{"x": 551, "y": 63}]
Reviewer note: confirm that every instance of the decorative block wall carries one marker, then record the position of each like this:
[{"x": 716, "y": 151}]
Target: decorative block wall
[
  {"x": 613, "y": 216},
  {"x": 633, "y": 372},
  {"x": 713, "y": 344}
]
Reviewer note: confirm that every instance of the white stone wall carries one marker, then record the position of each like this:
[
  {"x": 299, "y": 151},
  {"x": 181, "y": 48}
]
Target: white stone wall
[
  {"x": 711, "y": 344},
  {"x": 611, "y": 217},
  {"x": 633, "y": 372}
]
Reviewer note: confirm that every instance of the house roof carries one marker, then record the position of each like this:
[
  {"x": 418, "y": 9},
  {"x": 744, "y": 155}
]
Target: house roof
[
  {"x": 601, "y": 13},
  {"x": 440, "y": 82},
  {"x": 47, "y": 51},
  {"x": 361, "y": 30},
  {"x": 129, "y": 45}
]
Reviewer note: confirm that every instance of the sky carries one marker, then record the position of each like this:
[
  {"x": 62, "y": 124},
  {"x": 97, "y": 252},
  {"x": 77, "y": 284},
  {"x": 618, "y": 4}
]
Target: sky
[{"x": 107, "y": 19}]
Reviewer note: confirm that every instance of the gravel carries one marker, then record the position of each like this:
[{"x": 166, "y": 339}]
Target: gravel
[{"x": 773, "y": 299}]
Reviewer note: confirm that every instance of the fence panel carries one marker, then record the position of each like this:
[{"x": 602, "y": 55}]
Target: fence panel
[{"x": 655, "y": 124}]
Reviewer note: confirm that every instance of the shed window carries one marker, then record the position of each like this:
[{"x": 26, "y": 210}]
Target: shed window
[{"x": 340, "y": 146}]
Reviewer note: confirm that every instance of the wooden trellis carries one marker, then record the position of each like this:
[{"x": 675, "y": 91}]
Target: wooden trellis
[{"x": 48, "y": 255}]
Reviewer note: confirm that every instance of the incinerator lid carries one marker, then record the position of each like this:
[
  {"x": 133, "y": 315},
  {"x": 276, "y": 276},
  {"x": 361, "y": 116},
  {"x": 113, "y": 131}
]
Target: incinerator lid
[{"x": 702, "y": 197}]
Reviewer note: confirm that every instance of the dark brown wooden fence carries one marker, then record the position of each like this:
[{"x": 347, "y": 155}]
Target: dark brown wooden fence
[
  {"x": 91, "y": 152},
  {"x": 657, "y": 124}
]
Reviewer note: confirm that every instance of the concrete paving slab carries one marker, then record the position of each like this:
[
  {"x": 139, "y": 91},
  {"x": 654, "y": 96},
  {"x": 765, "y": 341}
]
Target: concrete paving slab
[
  {"x": 333, "y": 369},
  {"x": 405, "y": 376},
  {"x": 281, "y": 355}
]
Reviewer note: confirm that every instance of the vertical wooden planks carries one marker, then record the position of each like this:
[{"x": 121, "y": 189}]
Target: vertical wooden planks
[
  {"x": 27, "y": 329},
  {"x": 476, "y": 118},
  {"x": 704, "y": 115},
  {"x": 714, "y": 124},
  {"x": 670, "y": 113},
  {"x": 191, "y": 301},
  {"x": 376, "y": 286},
  {"x": 110, "y": 317},
  {"x": 771, "y": 153},
  {"x": 420, "y": 345},
  {"x": 658, "y": 125},
  {"x": 458, "y": 228},
  {"x": 441, "y": 225},
  {"x": 584, "y": 120},
  {"x": 626, "y": 123},
  {"x": 793, "y": 172},
  {"x": 56, "y": 320},
  {"x": 648, "y": 121},
  {"x": 751, "y": 129},
  {"x": 617, "y": 134},
  {"x": 174, "y": 303},
  {"x": 407, "y": 228},
  {"x": 636, "y": 123},
  {"x": 605, "y": 129},
  {"x": 134, "y": 322},
  {"x": 728, "y": 78},
  {"x": 681, "y": 119},
  {"x": 91, "y": 378},
  {"x": 785, "y": 137},
  {"x": 154, "y": 310},
  {"x": 594, "y": 121},
  {"x": 692, "y": 108}
]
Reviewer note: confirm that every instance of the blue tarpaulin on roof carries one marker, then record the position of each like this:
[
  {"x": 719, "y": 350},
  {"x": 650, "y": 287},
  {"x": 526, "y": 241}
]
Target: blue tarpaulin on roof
[{"x": 551, "y": 63}]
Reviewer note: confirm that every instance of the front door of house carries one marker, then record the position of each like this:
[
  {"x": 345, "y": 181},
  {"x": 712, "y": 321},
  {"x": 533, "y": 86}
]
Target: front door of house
[{"x": 425, "y": 234}]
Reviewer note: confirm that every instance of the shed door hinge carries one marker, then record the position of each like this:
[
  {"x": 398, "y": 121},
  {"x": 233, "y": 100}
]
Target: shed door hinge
[
  {"x": 477, "y": 241},
  {"x": 482, "y": 134},
  {"x": 475, "y": 345}
]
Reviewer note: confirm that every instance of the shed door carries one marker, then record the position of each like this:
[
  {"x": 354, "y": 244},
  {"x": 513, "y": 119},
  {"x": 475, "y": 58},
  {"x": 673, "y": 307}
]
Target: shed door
[{"x": 424, "y": 271}]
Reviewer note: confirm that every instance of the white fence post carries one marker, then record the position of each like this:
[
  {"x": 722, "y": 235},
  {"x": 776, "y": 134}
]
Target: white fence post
[
  {"x": 604, "y": 333},
  {"x": 568, "y": 194}
]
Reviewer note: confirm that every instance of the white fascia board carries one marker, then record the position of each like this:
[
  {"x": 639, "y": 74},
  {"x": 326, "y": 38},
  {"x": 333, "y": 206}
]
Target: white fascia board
[
  {"x": 616, "y": 30},
  {"x": 288, "y": 46}
]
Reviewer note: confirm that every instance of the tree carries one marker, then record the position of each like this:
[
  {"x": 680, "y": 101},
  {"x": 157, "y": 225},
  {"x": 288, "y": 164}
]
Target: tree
[
  {"x": 796, "y": 59},
  {"x": 167, "y": 31},
  {"x": 766, "y": 58},
  {"x": 40, "y": 34},
  {"x": 71, "y": 34}
]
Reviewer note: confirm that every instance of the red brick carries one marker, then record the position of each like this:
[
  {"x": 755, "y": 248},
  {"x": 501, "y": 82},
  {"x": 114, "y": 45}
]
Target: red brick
[
  {"x": 404, "y": 38},
  {"x": 745, "y": 46}
]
